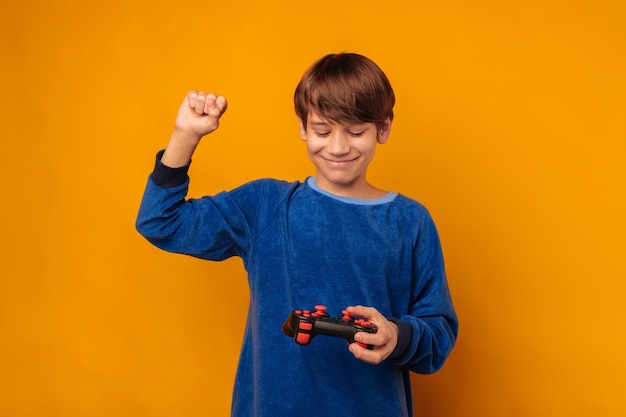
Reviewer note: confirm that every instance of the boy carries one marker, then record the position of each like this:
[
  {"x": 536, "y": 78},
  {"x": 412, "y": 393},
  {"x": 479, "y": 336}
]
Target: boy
[{"x": 333, "y": 239}]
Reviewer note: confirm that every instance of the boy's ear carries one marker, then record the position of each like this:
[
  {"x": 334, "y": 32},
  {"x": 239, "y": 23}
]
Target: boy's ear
[
  {"x": 385, "y": 130},
  {"x": 302, "y": 129}
]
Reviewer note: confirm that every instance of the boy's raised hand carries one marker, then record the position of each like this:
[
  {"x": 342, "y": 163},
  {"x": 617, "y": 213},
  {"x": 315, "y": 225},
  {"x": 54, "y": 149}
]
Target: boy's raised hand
[{"x": 198, "y": 115}]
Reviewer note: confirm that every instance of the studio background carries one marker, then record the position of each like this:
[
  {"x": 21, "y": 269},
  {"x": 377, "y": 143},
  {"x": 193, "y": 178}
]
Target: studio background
[{"x": 509, "y": 128}]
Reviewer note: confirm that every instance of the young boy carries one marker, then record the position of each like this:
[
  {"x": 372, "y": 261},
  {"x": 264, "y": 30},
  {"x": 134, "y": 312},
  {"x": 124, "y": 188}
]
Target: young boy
[{"x": 333, "y": 239}]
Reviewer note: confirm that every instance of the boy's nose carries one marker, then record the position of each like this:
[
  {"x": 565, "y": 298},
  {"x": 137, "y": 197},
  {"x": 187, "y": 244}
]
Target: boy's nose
[{"x": 338, "y": 145}]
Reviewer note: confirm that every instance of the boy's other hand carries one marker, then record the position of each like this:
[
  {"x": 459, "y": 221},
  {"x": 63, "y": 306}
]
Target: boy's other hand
[
  {"x": 384, "y": 341},
  {"x": 199, "y": 115}
]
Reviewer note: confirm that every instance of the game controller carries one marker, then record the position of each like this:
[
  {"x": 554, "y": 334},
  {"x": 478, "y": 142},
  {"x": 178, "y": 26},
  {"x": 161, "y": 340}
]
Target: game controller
[{"x": 304, "y": 325}]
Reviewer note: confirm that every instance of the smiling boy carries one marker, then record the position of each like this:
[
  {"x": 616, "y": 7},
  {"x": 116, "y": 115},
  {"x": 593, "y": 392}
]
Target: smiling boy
[
  {"x": 341, "y": 153},
  {"x": 334, "y": 239}
]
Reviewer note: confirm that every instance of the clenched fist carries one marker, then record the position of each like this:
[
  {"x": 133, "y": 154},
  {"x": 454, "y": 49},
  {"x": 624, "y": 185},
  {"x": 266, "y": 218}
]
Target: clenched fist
[{"x": 198, "y": 115}]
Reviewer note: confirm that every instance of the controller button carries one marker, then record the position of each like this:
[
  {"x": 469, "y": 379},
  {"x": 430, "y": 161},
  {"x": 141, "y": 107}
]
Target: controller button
[
  {"x": 303, "y": 338},
  {"x": 306, "y": 326}
]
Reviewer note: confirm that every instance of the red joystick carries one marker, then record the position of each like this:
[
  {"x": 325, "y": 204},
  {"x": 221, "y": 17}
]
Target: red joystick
[{"x": 320, "y": 311}]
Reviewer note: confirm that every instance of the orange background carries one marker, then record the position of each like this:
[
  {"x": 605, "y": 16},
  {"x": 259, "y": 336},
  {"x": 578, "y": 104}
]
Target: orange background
[{"x": 509, "y": 127}]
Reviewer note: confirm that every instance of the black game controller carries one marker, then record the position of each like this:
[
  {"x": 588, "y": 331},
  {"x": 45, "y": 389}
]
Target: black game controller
[{"x": 304, "y": 325}]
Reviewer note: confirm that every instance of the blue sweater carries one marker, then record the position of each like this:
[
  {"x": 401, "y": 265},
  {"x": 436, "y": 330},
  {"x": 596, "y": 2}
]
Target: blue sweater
[{"x": 302, "y": 246}]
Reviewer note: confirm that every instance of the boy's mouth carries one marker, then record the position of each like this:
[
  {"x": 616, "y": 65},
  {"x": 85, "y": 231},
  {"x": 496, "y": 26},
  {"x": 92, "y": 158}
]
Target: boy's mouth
[{"x": 339, "y": 162}]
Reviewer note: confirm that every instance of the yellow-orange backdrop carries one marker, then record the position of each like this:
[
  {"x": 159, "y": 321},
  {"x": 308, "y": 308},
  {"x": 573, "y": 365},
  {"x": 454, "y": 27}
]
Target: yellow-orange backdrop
[{"x": 509, "y": 128}]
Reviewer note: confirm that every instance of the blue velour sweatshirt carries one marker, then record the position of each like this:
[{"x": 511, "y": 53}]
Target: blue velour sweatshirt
[{"x": 302, "y": 246}]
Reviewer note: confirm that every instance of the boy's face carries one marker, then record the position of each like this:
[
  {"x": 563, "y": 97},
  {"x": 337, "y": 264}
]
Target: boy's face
[{"x": 342, "y": 152}]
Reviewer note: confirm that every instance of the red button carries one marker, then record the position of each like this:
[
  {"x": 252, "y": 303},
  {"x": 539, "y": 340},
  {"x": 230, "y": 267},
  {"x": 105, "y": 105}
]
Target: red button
[
  {"x": 303, "y": 338},
  {"x": 306, "y": 326}
]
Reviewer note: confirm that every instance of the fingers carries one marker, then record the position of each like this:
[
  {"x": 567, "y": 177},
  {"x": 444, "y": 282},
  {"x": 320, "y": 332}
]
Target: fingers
[
  {"x": 367, "y": 355},
  {"x": 209, "y": 104},
  {"x": 383, "y": 341},
  {"x": 214, "y": 105},
  {"x": 200, "y": 103},
  {"x": 221, "y": 104}
]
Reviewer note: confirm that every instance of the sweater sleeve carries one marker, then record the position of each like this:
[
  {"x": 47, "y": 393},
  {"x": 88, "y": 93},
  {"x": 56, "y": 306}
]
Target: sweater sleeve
[
  {"x": 428, "y": 332},
  {"x": 214, "y": 228}
]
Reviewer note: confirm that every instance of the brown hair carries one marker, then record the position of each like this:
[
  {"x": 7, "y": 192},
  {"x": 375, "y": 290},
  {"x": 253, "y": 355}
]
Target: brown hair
[{"x": 345, "y": 87}]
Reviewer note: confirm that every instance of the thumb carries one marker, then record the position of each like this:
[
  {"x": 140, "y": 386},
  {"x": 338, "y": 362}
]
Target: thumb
[{"x": 362, "y": 311}]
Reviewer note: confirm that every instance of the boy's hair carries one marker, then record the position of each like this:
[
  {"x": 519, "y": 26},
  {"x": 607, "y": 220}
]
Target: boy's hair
[{"x": 345, "y": 87}]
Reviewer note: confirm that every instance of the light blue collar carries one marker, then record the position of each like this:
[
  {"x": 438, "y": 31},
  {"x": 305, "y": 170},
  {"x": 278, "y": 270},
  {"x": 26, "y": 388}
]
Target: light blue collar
[{"x": 389, "y": 197}]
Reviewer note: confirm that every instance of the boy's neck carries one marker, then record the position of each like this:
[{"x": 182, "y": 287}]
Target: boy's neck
[{"x": 364, "y": 191}]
